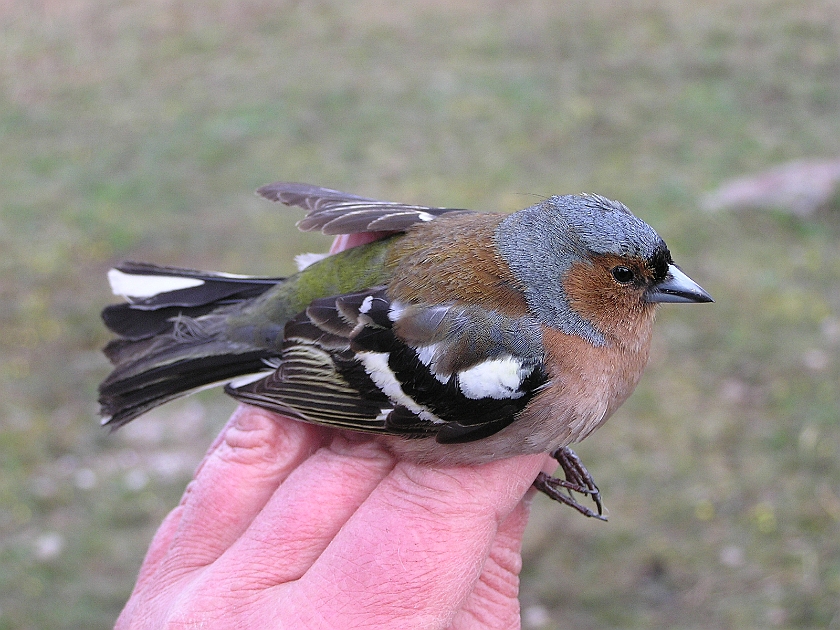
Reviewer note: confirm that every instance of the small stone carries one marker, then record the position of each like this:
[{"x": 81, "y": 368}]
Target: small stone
[{"x": 801, "y": 188}]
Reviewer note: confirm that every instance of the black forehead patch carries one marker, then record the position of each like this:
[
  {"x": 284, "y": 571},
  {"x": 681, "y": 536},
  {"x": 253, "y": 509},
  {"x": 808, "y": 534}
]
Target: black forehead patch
[{"x": 659, "y": 263}]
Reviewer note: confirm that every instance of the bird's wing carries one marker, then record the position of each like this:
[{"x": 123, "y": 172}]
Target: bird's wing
[
  {"x": 359, "y": 361},
  {"x": 335, "y": 212}
]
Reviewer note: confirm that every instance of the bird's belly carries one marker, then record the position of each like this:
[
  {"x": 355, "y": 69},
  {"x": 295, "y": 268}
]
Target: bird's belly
[{"x": 587, "y": 384}]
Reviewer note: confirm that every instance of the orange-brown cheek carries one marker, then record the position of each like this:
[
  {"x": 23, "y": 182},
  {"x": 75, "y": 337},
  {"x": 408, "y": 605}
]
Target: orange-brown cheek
[{"x": 614, "y": 310}]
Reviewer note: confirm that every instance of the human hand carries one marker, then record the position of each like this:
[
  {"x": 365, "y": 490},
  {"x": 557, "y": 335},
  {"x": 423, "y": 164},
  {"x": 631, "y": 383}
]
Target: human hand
[{"x": 289, "y": 525}]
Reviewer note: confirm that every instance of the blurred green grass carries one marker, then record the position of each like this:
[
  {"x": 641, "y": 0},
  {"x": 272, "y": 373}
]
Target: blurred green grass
[{"x": 139, "y": 130}]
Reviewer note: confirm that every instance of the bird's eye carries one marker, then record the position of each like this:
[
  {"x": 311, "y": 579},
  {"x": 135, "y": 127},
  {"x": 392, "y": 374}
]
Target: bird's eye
[{"x": 622, "y": 274}]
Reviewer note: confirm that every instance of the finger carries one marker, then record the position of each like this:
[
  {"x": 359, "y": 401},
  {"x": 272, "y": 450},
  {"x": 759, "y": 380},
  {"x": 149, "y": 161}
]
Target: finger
[
  {"x": 159, "y": 547},
  {"x": 257, "y": 452},
  {"x": 494, "y": 601},
  {"x": 413, "y": 552},
  {"x": 162, "y": 540},
  {"x": 308, "y": 510},
  {"x": 217, "y": 441}
]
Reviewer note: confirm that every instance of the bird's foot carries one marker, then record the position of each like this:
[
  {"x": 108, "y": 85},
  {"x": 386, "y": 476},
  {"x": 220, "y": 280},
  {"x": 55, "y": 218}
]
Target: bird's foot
[{"x": 577, "y": 480}]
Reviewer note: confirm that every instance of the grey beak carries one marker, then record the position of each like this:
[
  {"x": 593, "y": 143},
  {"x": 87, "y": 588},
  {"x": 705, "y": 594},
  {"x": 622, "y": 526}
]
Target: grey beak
[{"x": 677, "y": 287}]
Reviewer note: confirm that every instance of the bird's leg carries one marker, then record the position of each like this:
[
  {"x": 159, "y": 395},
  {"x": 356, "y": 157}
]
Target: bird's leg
[{"x": 577, "y": 479}]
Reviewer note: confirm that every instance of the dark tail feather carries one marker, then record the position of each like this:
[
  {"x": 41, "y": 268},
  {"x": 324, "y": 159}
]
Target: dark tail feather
[
  {"x": 172, "y": 339},
  {"x": 123, "y": 399}
]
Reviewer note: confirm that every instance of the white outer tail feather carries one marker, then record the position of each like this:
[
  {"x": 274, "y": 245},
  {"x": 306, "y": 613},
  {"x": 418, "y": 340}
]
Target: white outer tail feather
[{"x": 131, "y": 286}]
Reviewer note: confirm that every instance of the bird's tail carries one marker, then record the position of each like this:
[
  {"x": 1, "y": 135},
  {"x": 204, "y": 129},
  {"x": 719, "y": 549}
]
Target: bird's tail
[{"x": 172, "y": 336}]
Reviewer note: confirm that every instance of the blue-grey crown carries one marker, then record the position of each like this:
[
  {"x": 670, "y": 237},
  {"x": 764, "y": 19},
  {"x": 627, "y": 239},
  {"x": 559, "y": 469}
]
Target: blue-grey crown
[{"x": 603, "y": 226}]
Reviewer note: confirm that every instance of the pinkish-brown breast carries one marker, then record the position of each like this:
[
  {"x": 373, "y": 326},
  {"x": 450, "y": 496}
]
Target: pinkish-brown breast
[{"x": 586, "y": 384}]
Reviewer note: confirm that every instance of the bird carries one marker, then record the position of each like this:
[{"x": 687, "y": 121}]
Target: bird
[{"x": 455, "y": 337}]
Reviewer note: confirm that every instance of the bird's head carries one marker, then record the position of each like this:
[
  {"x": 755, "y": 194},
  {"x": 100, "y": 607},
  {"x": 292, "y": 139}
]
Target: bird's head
[{"x": 589, "y": 267}]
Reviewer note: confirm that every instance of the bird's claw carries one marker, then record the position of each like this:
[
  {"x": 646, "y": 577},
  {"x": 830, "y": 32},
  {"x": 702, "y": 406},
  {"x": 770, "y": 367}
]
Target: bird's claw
[{"x": 577, "y": 479}]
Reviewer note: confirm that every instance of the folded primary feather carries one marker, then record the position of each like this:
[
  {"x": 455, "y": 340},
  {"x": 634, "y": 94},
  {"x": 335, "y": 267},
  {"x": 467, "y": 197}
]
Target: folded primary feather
[{"x": 334, "y": 212}]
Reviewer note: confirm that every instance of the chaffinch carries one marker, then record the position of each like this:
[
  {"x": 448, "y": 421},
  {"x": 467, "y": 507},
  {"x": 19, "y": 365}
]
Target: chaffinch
[{"x": 457, "y": 337}]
